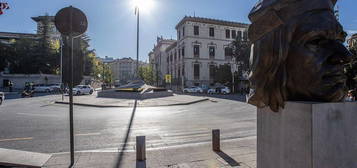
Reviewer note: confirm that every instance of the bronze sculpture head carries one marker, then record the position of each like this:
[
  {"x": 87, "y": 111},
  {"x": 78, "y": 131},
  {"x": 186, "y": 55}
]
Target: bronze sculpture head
[{"x": 297, "y": 53}]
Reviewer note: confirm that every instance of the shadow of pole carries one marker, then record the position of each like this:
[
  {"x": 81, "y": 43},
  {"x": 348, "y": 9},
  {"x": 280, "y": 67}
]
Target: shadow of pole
[
  {"x": 227, "y": 158},
  {"x": 121, "y": 151}
]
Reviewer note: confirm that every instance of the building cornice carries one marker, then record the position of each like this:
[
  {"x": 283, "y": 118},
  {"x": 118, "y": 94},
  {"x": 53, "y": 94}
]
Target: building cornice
[{"x": 211, "y": 21}]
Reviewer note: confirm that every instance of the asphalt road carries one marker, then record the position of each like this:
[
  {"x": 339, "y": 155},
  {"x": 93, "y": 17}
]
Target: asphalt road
[{"x": 35, "y": 124}]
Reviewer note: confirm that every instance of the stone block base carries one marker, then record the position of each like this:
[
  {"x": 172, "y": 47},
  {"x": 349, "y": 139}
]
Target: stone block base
[{"x": 308, "y": 135}]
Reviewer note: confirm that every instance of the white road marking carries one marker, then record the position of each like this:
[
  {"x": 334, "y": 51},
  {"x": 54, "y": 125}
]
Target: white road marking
[
  {"x": 37, "y": 115},
  {"x": 16, "y": 139},
  {"x": 89, "y": 134}
]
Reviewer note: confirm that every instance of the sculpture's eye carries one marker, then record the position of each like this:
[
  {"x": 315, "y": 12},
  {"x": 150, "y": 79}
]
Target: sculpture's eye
[{"x": 315, "y": 43}]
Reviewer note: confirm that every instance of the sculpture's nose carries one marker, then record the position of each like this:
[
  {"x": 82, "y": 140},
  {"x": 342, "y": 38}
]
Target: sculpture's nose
[{"x": 341, "y": 54}]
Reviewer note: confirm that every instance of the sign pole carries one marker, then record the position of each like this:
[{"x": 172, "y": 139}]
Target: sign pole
[
  {"x": 71, "y": 93},
  {"x": 72, "y": 23}
]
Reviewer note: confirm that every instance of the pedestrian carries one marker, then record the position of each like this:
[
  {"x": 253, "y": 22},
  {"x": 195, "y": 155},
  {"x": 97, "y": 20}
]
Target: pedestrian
[
  {"x": 10, "y": 86},
  {"x": 350, "y": 97}
]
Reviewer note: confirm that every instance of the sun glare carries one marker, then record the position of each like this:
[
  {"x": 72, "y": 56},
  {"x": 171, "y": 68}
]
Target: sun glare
[{"x": 145, "y": 6}]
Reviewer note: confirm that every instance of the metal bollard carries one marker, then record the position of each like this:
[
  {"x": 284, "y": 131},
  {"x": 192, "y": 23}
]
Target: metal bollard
[
  {"x": 216, "y": 140},
  {"x": 140, "y": 148}
]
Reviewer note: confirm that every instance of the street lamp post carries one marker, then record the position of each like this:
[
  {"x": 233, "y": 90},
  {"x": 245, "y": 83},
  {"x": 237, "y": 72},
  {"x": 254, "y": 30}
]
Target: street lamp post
[{"x": 137, "y": 12}]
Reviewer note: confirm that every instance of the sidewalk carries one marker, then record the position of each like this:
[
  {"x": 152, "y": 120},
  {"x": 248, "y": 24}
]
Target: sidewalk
[
  {"x": 94, "y": 101},
  {"x": 235, "y": 153}
]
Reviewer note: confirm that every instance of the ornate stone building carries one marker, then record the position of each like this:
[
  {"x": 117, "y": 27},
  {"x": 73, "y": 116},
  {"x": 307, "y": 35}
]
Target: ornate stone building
[
  {"x": 158, "y": 58},
  {"x": 124, "y": 70},
  {"x": 352, "y": 42},
  {"x": 202, "y": 44}
]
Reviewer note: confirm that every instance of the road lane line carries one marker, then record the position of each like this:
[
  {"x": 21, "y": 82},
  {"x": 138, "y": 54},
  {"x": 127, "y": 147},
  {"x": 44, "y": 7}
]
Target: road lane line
[
  {"x": 89, "y": 134},
  {"x": 16, "y": 139},
  {"x": 36, "y": 115}
]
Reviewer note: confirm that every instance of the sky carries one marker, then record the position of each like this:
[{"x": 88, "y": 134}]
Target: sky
[{"x": 112, "y": 23}]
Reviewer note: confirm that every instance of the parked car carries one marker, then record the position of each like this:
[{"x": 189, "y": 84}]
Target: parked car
[
  {"x": 217, "y": 90},
  {"x": 194, "y": 89},
  {"x": 56, "y": 87},
  {"x": 2, "y": 97},
  {"x": 83, "y": 89},
  {"x": 42, "y": 88}
]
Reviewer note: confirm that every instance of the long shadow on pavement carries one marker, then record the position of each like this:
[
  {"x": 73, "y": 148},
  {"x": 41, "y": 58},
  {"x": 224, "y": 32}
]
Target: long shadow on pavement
[
  {"x": 121, "y": 152},
  {"x": 228, "y": 159},
  {"x": 235, "y": 97}
]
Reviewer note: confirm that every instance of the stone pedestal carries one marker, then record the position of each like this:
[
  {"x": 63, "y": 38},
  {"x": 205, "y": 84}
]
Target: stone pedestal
[{"x": 308, "y": 135}]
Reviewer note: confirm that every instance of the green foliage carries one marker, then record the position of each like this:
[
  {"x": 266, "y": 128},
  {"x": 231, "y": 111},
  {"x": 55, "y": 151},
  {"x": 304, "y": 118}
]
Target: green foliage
[
  {"x": 91, "y": 64},
  {"x": 223, "y": 74},
  {"x": 107, "y": 73},
  {"x": 28, "y": 56},
  {"x": 241, "y": 53},
  {"x": 146, "y": 73},
  {"x": 351, "y": 69}
]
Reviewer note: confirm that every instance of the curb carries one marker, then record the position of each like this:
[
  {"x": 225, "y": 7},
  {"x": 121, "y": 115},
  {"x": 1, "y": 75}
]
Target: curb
[
  {"x": 113, "y": 106},
  {"x": 89, "y": 105}
]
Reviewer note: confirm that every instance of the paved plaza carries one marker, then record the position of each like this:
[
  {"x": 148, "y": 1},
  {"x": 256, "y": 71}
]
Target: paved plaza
[{"x": 40, "y": 125}]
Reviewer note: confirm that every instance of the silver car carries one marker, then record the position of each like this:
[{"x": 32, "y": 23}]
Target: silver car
[{"x": 2, "y": 97}]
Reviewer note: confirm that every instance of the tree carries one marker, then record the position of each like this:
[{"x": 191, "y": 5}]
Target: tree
[
  {"x": 146, "y": 73},
  {"x": 30, "y": 56},
  {"x": 351, "y": 69},
  {"x": 241, "y": 54},
  {"x": 223, "y": 74}
]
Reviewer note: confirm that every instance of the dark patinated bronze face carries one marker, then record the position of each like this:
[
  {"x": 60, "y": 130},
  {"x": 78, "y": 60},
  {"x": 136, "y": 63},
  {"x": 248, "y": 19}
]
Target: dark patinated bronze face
[
  {"x": 297, "y": 53},
  {"x": 316, "y": 58}
]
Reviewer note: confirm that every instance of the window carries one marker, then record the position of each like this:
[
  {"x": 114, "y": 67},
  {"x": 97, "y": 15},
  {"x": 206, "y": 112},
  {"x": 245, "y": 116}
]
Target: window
[
  {"x": 196, "y": 30},
  {"x": 240, "y": 34},
  {"x": 179, "y": 72},
  {"x": 183, "y": 52},
  {"x": 228, "y": 52},
  {"x": 175, "y": 56},
  {"x": 183, "y": 31},
  {"x": 196, "y": 51},
  {"x": 228, "y": 33},
  {"x": 245, "y": 36},
  {"x": 212, "y": 52},
  {"x": 179, "y": 54},
  {"x": 196, "y": 71},
  {"x": 211, "y": 32},
  {"x": 179, "y": 35},
  {"x": 211, "y": 71},
  {"x": 183, "y": 70},
  {"x": 234, "y": 34}
]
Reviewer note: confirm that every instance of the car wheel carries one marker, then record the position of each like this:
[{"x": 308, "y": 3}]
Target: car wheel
[
  {"x": 0, "y": 101},
  {"x": 91, "y": 92},
  {"x": 78, "y": 93}
]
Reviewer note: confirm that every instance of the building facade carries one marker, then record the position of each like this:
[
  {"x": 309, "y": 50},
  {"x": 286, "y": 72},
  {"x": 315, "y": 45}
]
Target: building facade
[
  {"x": 124, "y": 70},
  {"x": 158, "y": 59},
  {"x": 352, "y": 42},
  {"x": 202, "y": 44}
]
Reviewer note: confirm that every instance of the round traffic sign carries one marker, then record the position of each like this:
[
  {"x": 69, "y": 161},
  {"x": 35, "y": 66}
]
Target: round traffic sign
[{"x": 71, "y": 21}]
